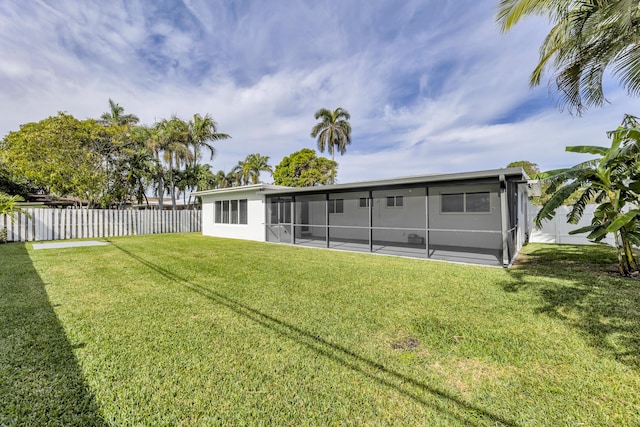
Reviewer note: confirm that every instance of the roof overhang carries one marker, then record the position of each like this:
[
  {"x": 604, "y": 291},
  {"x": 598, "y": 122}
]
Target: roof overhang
[
  {"x": 242, "y": 188},
  {"x": 461, "y": 177}
]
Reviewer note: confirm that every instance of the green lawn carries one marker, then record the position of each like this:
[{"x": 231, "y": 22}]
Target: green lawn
[{"x": 184, "y": 329}]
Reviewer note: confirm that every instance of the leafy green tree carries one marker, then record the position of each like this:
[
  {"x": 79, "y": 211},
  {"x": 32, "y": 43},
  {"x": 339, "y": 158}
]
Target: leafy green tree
[
  {"x": 613, "y": 181},
  {"x": 333, "y": 132},
  {"x": 9, "y": 205},
  {"x": 15, "y": 185},
  {"x": 304, "y": 169},
  {"x": 587, "y": 39},
  {"x": 57, "y": 154},
  {"x": 531, "y": 169},
  {"x": 204, "y": 178}
]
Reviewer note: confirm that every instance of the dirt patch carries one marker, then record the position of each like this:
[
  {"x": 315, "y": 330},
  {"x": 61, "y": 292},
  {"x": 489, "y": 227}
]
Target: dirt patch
[{"x": 408, "y": 343}]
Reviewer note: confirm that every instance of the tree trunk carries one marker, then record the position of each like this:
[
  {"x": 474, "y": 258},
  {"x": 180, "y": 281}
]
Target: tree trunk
[
  {"x": 333, "y": 166},
  {"x": 622, "y": 264},
  {"x": 628, "y": 252},
  {"x": 160, "y": 192}
]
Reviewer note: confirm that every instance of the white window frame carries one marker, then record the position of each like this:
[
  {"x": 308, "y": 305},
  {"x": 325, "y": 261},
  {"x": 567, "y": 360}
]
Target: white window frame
[{"x": 224, "y": 206}]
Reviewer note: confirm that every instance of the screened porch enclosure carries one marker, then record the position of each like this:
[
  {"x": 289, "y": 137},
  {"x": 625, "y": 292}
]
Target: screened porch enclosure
[{"x": 453, "y": 223}]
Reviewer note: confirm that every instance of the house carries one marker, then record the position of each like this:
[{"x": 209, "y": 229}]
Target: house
[{"x": 473, "y": 217}]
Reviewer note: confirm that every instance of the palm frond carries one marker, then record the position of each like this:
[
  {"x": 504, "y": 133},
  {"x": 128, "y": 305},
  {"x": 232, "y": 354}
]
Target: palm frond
[{"x": 548, "y": 210}]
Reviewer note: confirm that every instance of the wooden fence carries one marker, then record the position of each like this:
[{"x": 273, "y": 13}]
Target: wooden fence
[{"x": 60, "y": 224}]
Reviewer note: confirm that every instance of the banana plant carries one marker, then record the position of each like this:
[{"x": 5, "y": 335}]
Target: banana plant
[{"x": 611, "y": 180}]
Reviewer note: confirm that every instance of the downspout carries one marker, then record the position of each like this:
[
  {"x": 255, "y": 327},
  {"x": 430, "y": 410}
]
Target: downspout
[{"x": 504, "y": 216}]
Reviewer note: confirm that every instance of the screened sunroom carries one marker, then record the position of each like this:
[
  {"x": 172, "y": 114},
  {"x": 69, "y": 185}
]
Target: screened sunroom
[{"x": 476, "y": 217}]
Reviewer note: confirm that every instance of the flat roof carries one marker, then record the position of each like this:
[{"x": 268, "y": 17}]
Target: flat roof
[
  {"x": 408, "y": 180},
  {"x": 256, "y": 187}
]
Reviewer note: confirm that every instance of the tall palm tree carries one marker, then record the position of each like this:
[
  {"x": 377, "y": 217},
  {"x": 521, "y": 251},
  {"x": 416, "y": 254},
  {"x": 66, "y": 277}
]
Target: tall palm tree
[
  {"x": 201, "y": 130},
  {"x": 150, "y": 139},
  {"x": 174, "y": 144},
  {"x": 115, "y": 116},
  {"x": 587, "y": 38},
  {"x": 333, "y": 132}
]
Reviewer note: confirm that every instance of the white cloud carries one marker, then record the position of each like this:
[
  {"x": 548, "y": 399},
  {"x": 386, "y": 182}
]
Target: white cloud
[{"x": 431, "y": 86}]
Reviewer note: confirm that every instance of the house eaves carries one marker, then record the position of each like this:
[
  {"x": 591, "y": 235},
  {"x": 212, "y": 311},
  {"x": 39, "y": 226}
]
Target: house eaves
[{"x": 404, "y": 181}]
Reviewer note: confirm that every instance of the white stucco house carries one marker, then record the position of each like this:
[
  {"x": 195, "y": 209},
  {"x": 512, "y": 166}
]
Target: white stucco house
[{"x": 476, "y": 217}]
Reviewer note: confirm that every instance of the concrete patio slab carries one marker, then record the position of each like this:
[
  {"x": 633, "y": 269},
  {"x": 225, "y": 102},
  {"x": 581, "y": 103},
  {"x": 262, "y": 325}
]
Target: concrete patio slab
[{"x": 63, "y": 245}]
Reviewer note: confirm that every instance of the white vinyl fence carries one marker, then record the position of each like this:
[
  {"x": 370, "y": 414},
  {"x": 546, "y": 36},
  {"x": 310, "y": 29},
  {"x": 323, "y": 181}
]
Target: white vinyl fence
[
  {"x": 59, "y": 224},
  {"x": 557, "y": 230}
]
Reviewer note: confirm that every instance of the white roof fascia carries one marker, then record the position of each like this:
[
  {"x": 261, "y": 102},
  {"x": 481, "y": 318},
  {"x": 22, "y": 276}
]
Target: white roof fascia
[{"x": 242, "y": 188}]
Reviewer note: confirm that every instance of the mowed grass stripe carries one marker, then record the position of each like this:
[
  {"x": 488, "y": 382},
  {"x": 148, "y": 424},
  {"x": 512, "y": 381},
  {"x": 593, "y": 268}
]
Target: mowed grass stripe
[{"x": 185, "y": 329}]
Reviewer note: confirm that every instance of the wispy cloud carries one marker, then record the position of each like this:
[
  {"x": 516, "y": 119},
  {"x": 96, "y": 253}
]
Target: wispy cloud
[{"x": 432, "y": 86}]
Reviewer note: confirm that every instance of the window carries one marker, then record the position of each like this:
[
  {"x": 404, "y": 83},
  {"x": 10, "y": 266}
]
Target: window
[
  {"x": 466, "y": 202},
  {"x": 234, "y": 211},
  {"x": 364, "y": 202},
  {"x": 478, "y": 202},
  {"x": 243, "y": 211},
  {"x": 336, "y": 206},
  {"x": 395, "y": 201},
  {"x": 218, "y": 212},
  {"x": 452, "y": 203},
  {"x": 230, "y": 212},
  {"x": 225, "y": 211}
]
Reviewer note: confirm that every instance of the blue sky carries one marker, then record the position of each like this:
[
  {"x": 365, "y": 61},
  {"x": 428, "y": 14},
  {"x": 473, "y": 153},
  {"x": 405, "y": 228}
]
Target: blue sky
[{"x": 432, "y": 86}]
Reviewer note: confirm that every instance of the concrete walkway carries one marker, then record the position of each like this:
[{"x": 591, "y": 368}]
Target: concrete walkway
[{"x": 70, "y": 244}]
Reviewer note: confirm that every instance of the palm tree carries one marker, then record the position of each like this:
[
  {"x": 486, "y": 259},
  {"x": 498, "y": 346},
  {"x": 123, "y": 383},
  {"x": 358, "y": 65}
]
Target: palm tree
[
  {"x": 333, "y": 132},
  {"x": 201, "y": 130},
  {"x": 173, "y": 142},
  {"x": 220, "y": 179},
  {"x": 233, "y": 178},
  {"x": 249, "y": 169},
  {"x": 587, "y": 38},
  {"x": 241, "y": 172},
  {"x": 613, "y": 181},
  {"x": 140, "y": 169},
  {"x": 116, "y": 117}
]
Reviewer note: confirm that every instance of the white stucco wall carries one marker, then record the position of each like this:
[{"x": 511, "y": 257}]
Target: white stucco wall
[{"x": 253, "y": 230}]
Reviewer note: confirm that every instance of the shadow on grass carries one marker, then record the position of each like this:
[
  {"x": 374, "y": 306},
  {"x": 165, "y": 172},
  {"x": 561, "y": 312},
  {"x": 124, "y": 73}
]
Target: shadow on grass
[
  {"x": 579, "y": 284},
  {"x": 464, "y": 412},
  {"x": 40, "y": 380}
]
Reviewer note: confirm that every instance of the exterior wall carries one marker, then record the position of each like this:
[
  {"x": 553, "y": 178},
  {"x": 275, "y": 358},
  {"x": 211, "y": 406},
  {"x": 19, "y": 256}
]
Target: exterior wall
[
  {"x": 465, "y": 221},
  {"x": 411, "y": 215},
  {"x": 253, "y": 230}
]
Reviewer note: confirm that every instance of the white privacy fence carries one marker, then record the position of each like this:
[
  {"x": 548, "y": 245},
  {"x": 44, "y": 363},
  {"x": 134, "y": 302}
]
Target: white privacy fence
[
  {"x": 60, "y": 224},
  {"x": 557, "y": 230}
]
